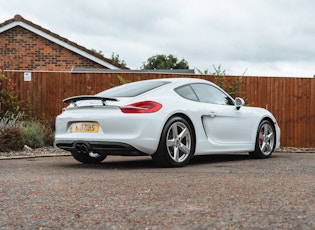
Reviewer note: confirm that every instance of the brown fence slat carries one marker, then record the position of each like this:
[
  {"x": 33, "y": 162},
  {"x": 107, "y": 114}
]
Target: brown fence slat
[{"x": 291, "y": 100}]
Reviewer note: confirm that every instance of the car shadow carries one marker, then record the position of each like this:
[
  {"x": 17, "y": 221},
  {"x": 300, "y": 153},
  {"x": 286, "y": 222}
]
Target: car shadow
[
  {"x": 219, "y": 158},
  {"x": 148, "y": 163},
  {"x": 133, "y": 163}
]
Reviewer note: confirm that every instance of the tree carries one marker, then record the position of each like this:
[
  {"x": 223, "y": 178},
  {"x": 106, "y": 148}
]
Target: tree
[
  {"x": 217, "y": 71},
  {"x": 233, "y": 88},
  {"x": 116, "y": 59},
  {"x": 161, "y": 61}
]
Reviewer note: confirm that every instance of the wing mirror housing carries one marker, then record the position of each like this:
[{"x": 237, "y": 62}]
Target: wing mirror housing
[{"x": 239, "y": 102}]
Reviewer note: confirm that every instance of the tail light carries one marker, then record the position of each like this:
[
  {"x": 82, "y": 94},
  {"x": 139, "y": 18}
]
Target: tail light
[{"x": 142, "y": 107}]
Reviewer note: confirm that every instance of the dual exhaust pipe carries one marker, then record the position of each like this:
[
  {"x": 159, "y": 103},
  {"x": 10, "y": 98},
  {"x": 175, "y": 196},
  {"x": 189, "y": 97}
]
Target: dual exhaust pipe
[{"x": 82, "y": 148}]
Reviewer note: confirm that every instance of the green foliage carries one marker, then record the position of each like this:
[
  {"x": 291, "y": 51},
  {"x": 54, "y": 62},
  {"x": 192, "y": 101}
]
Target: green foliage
[
  {"x": 2, "y": 77},
  {"x": 15, "y": 133},
  {"x": 217, "y": 71},
  {"x": 31, "y": 105},
  {"x": 48, "y": 132},
  {"x": 9, "y": 102},
  {"x": 38, "y": 134},
  {"x": 220, "y": 75},
  {"x": 122, "y": 80},
  {"x": 33, "y": 134},
  {"x": 116, "y": 59},
  {"x": 232, "y": 88},
  {"x": 28, "y": 108},
  {"x": 11, "y": 120},
  {"x": 161, "y": 61},
  {"x": 97, "y": 52}
]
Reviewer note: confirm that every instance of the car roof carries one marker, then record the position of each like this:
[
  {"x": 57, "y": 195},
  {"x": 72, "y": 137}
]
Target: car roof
[{"x": 182, "y": 80}]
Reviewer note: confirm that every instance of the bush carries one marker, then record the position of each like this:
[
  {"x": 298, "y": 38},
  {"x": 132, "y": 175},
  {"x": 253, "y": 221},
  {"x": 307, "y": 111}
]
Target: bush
[
  {"x": 33, "y": 134},
  {"x": 11, "y": 139},
  {"x": 37, "y": 134},
  {"x": 14, "y": 133},
  {"x": 48, "y": 131}
]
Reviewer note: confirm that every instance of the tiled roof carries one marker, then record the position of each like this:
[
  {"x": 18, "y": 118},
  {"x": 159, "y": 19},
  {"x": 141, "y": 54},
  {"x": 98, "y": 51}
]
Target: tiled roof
[{"x": 20, "y": 21}]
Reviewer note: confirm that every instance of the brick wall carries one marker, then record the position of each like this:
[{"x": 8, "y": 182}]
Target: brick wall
[{"x": 21, "y": 49}]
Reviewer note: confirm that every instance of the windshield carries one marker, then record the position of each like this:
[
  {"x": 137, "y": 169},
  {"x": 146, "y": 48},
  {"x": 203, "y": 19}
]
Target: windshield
[{"x": 132, "y": 89}]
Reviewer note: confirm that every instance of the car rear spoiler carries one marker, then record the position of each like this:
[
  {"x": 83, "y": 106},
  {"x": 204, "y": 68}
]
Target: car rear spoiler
[{"x": 88, "y": 98}]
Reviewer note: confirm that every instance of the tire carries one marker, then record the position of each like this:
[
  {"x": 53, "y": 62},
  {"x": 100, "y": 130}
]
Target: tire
[
  {"x": 177, "y": 144},
  {"x": 265, "y": 140},
  {"x": 88, "y": 158}
]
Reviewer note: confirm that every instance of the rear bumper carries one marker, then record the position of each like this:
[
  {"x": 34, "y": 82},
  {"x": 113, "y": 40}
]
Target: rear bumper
[
  {"x": 102, "y": 147},
  {"x": 118, "y": 132}
]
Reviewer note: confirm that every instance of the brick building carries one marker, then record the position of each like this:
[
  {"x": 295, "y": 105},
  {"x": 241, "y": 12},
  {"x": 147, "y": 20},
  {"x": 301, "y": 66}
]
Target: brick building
[{"x": 29, "y": 47}]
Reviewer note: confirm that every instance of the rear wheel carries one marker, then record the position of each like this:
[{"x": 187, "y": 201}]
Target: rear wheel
[
  {"x": 88, "y": 158},
  {"x": 265, "y": 140},
  {"x": 177, "y": 144}
]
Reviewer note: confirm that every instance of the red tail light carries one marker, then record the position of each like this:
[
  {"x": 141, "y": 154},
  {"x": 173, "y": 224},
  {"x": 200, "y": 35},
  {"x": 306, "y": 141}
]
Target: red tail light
[{"x": 142, "y": 107}]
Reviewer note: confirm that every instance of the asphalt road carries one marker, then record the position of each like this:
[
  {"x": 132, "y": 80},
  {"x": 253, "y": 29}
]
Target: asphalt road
[{"x": 213, "y": 192}]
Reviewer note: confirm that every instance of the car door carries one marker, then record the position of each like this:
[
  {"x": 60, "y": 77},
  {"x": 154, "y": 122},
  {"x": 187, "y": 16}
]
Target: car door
[{"x": 222, "y": 121}]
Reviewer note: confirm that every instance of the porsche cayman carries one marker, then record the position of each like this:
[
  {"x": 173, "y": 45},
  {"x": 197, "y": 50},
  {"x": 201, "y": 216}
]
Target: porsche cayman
[{"x": 171, "y": 119}]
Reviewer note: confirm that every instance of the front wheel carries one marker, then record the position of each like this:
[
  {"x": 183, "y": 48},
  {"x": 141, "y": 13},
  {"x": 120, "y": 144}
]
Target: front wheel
[
  {"x": 265, "y": 140},
  {"x": 177, "y": 144}
]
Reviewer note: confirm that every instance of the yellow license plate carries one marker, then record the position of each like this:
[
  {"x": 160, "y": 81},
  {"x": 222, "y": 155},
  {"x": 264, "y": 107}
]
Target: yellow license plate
[{"x": 85, "y": 127}]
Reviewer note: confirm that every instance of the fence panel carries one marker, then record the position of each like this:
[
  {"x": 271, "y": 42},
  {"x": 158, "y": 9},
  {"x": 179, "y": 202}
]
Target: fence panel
[{"x": 291, "y": 100}]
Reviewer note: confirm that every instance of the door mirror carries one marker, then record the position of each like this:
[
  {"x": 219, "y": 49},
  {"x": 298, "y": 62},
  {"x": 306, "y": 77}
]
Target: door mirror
[{"x": 239, "y": 102}]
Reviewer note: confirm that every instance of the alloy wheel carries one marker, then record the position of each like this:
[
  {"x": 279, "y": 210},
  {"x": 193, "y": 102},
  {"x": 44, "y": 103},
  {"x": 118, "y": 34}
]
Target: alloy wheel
[
  {"x": 266, "y": 139},
  {"x": 179, "y": 142}
]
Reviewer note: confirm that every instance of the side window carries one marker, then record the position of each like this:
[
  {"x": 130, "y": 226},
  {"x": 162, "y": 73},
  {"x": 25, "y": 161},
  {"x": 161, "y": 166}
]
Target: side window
[
  {"x": 210, "y": 94},
  {"x": 187, "y": 92}
]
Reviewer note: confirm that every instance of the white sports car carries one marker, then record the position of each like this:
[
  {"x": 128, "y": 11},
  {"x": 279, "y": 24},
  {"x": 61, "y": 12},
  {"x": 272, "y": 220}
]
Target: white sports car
[{"x": 170, "y": 119}]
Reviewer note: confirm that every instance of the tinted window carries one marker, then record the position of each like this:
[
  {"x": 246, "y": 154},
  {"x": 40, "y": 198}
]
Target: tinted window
[
  {"x": 132, "y": 89},
  {"x": 187, "y": 92},
  {"x": 210, "y": 94}
]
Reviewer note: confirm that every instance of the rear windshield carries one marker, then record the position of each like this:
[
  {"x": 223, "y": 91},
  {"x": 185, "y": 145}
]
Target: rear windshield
[{"x": 132, "y": 89}]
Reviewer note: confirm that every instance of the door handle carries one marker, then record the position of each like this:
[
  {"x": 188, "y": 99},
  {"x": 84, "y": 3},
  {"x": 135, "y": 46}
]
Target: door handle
[{"x": 212, "y": 114}]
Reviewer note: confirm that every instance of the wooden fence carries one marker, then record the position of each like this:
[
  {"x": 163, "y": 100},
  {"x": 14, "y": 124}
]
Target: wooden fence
[{"x": 291, "y": 100}]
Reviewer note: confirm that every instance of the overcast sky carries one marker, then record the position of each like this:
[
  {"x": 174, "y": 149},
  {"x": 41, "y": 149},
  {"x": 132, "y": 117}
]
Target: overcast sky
[{"x": 255, "y": 37}]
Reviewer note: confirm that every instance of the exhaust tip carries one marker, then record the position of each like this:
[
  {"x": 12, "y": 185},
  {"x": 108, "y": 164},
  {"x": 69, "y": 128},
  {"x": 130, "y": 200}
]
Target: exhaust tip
[{"x": 82, "y": 148}]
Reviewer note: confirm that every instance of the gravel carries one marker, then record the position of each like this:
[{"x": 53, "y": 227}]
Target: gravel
[
  {"x": 28, "y": 152},
  {"x": 213, "y": 192}
]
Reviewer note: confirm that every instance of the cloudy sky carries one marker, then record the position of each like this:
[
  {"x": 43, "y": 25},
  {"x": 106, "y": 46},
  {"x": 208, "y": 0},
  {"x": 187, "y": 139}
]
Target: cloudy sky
[{"x": 251, "y": 37}]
